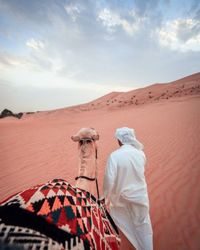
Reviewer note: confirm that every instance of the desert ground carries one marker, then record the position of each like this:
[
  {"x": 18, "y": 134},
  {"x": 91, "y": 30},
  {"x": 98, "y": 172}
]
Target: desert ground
[{"x": 166, "y": 118}]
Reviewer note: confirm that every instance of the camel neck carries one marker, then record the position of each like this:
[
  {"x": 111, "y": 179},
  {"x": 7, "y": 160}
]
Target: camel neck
[{"x": 87, "y": 167}]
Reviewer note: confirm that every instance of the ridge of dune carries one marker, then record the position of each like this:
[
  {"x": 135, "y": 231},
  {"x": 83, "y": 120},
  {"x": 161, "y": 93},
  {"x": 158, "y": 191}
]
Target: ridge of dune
[
  {"x": 184, "y": 87},
  {"x": 189, "y": 78},
  {"x": 99, "y": 102},
  {"x": 189, "y": 85},
  {"x": 110, "y": 95}
]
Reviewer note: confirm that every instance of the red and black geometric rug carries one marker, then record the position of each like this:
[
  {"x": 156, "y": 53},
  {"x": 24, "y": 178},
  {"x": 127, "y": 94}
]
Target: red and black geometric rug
[{"x": 57, "y": 215}]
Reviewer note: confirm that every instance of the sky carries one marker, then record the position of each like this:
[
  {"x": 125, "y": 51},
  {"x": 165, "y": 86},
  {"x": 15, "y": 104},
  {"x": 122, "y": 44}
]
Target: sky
[{"x": 59, "y": 53}]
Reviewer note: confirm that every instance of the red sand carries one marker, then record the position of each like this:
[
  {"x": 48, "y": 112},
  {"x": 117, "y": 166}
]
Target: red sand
[{"x": 38, "y": 148}]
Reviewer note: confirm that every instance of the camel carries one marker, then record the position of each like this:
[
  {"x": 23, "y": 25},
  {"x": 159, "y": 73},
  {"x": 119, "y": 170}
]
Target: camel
[
  {"x": 58, "y": 215},
  {"x": 87, "y": 149}
]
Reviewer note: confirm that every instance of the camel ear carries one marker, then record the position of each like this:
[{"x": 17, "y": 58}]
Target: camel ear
[
  {"x": 95, "y": 137},
  {"x": 75, "y": 138}
]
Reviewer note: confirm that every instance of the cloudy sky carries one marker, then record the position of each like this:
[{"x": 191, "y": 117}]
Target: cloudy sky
[{"x": 56, "y": 53}]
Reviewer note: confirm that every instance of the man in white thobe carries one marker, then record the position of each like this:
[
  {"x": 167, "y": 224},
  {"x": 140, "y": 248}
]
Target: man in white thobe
[{"x": 125, "y": 189}]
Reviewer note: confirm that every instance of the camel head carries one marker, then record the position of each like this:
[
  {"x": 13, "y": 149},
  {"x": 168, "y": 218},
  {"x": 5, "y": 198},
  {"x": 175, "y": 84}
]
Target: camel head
[{"x": 86, "y": 134}]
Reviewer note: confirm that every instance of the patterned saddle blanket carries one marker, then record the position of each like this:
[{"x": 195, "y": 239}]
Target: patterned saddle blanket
[{"x": 56, "y": 215}]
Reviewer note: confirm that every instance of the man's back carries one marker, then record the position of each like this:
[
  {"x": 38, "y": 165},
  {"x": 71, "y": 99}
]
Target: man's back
[
  {"x": 126, "y": 169},
  {"x": 125, "y": 187}
]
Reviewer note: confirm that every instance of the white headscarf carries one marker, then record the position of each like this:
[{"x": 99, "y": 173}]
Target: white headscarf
[{"x": 127, "y": 136}]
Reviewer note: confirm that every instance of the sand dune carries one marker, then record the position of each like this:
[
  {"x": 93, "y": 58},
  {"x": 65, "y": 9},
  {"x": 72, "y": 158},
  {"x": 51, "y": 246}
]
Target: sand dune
[
  {"x": 38, "y": 148},
  {"x": 158, "y": 92}
]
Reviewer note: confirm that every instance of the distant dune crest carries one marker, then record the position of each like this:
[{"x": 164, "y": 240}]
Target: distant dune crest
[{"x": 189, "y": 85}]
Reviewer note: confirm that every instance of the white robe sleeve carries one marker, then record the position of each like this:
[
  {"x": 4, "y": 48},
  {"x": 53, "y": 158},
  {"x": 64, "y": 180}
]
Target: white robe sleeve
[{"x": 109, "y": 178}]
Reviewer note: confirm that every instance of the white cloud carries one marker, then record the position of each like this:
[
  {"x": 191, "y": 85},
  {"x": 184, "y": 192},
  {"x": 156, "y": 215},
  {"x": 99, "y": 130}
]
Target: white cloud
[
  {"x": 112, "y": 20},
  {"x": 8, "y": 60},
  {"x": 73, "y": 11},
  {"x": 35, "y": 44},
  {"x": 180, "y": 34},
  {"x": 32, "y": 63}
]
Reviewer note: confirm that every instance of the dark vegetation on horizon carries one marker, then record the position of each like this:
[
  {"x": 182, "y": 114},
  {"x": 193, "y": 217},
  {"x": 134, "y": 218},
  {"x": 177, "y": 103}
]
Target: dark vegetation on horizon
[{"x": 7, "y": 112}]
